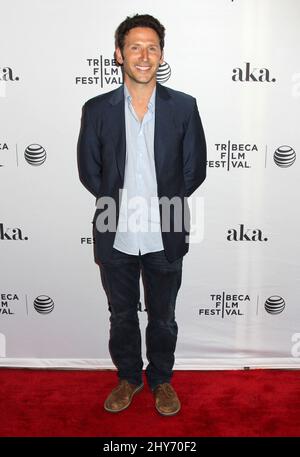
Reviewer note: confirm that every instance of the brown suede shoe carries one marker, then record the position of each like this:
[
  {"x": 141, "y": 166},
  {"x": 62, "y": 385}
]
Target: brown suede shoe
[
  {"x": 166, "y": 401},
  {"x": 121, "y": 396}
]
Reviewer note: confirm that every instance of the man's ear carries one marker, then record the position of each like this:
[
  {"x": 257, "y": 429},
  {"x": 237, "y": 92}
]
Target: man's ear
[
  {"x": 119, "y": 57},
  {"x": 162, "y": 58}
]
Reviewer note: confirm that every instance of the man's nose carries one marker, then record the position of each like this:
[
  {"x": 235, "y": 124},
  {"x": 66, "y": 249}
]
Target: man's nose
[{"x": 144, "y": 54}]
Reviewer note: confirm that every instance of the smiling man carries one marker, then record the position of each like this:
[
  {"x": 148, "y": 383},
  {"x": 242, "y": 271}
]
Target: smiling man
[{"x": 142, "y": 143}]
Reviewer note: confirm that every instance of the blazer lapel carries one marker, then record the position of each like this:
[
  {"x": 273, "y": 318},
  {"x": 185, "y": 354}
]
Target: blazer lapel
[
  {"x": 164, "y": 125},
  {"x": 117, "y": 127}
]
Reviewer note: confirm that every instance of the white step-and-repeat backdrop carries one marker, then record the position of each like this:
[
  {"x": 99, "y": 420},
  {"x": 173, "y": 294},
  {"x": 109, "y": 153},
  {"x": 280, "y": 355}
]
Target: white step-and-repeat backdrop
[{"x": 239, "y": 305}]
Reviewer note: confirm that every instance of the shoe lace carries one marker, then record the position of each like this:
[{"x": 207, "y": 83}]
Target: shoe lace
[
  {"x": 166, "y": 389},
  {"x": 122, "y": 386}
]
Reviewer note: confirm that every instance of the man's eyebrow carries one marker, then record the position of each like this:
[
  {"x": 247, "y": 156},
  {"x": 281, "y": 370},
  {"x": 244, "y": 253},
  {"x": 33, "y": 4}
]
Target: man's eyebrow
[{"x": 142, "y": 42}]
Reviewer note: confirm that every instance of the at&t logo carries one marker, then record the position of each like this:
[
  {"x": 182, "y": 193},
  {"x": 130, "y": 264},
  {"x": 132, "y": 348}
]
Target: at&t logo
[
  {"x": 284, "y": 156},
  {"x": 274, "y": 304},
  {"x": 35, "y": 154},
  {"x": 163, "y": 73},
  {"x": 43, "y": 304}
]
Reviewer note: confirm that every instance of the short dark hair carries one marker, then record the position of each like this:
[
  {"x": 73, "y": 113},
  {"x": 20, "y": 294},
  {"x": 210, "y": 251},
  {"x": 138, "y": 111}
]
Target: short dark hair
[{"x": 139, "y": 20}]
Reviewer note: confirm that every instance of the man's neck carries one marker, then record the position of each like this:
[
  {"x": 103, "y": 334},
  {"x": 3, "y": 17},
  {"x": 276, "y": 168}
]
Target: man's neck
[{"x": 140, "y": 93}]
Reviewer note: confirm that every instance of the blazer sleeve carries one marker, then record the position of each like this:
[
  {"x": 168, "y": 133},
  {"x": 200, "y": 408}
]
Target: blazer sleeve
[
  {"x": 194, "y": 153},
  {"x": 89, "y": 153}
]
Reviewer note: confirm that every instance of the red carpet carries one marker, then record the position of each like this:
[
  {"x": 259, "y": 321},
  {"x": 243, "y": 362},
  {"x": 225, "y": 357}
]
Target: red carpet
[{"x": 257, "y": 403}]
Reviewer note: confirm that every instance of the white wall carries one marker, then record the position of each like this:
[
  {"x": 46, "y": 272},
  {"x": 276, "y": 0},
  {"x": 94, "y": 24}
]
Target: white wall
[{"x": 47, "y": 44}]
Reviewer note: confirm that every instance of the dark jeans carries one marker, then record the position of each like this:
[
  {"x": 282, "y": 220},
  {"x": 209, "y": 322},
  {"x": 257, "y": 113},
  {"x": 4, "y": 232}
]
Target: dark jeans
[{"x": 161, "y": 280}]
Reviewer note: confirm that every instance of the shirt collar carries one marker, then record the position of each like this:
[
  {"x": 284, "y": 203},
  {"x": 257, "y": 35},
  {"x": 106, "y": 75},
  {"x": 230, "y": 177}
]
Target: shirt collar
[{"x": 151, "y": 103}]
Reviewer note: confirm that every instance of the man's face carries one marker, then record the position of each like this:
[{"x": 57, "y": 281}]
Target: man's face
[{"x": 141, "y": 55}]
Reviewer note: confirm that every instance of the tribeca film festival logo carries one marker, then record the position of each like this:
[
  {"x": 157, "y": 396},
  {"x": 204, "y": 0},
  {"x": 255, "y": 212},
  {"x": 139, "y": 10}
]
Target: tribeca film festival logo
[
  {"x": 106, "y": 71},
  {"x": 87, "y": 240},
  {"x": 34, "y": 155},
  {"x": 245, "y": 234},
  {"x": 11, "y": 303},
  {"x": 140, "y": 214},
  {"x": 3, "y": 147},
  {"x": 226, "y": 305},
  {"x": 230, "y": 156},
  {"x": 6, "y": 76},
  {"x": 8, "y": 303},
  {"x": 252, "y": 74}
]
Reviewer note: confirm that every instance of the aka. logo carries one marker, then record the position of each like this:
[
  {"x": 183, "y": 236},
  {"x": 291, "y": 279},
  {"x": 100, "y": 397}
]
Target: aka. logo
[
  {"x": 249, "y": 74},
  {"x": 43, "y": 304},
  {"x": 11, "y": 234},
  {"x": 35, "y": 154},
  {"x": 163, "y": 72},
  {"x": 284, "y": 156},
  {"x": 242, "y": 234},
  {"x": 274, "y": 304},
  {"x": 6, "y": 74}
]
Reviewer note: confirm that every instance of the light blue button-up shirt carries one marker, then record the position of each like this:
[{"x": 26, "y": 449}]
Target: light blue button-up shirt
[{"x": 139, "y": 227}]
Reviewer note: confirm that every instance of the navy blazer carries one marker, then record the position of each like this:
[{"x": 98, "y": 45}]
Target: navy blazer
[{"x": 179, "y": 153}]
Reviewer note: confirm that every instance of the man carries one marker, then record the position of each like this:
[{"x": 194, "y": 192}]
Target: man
[{"x": 141, "y": 142}]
